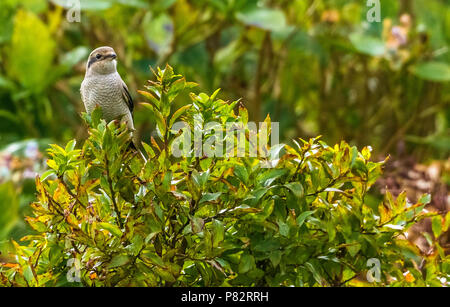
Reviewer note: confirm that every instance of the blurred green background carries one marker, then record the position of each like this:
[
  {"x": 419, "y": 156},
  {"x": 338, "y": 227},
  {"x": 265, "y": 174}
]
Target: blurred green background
[{"x": 316, "y": 66}]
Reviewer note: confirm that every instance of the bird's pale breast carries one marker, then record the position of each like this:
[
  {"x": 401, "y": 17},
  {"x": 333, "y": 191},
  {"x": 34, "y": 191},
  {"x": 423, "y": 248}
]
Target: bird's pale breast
[{"x": 106, "y": 91}]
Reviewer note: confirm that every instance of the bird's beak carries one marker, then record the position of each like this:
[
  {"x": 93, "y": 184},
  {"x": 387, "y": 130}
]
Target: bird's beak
[{"x": 112, "y": 56}]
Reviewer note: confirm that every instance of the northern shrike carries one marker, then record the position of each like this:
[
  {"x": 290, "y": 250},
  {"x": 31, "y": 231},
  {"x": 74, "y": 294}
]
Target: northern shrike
[{"x": 103, "y": 86}]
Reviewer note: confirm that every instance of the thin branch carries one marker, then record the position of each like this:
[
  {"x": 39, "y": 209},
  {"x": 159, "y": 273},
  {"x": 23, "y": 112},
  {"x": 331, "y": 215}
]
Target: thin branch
[
  {"x": 346, "y": 281},
  {"x": 69, "y": 191},
  {"x": 113, "y": 194}
]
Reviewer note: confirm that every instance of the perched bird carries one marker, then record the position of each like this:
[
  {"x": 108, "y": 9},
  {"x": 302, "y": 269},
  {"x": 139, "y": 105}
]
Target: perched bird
[{"x": 103, "y": 86}]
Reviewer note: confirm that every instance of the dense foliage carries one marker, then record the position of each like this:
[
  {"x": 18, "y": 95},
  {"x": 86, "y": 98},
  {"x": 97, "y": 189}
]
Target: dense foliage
[
  {"x": 319, "y": 65},
  {"x": 199, "y": 221}
]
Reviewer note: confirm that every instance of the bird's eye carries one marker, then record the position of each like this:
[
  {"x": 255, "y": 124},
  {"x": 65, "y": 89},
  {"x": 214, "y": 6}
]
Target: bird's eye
[{"x": 98, "y": 56}]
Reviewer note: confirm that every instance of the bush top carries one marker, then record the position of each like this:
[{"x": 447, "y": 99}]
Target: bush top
[{"x": 105, "y": 217}]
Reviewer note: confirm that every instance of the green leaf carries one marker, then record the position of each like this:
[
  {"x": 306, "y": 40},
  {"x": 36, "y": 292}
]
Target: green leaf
[
  {"x": 165, "y": 274},
  {"x": 149, "y": 150},
  {"x": 436, "y": 225},
  {"x": 218, "y": 231},
  {"x": 263, "y": 18},
  {"x": 275, "y": 257},
  {"x": 266, "y": 178},
  {"x": 28, "y": 273},
  {"x": 113, "y": 229},
  {"x": 160, "y": 121},
  {"x": 178, "y": 113},
  {"x": 433, "y": 71},
  {"x": 9, "y": 208},
  {"x": 296, "y": 188},
  {"x": 175, "y": 89},
  {"x": 284, "y": 228},
  {"x": 167, "y": 75},
  {"x": 243, "y": 113},
  {"x": 70, "y": 146},
  {"x": 197, "y": 224},
  {"x": 367, "y": 44},
  {"x": 267, "y": 245},
  {"x": 353, "y": 248},
  {"x": 154, "y": 259},
  {"x": 55, "y": 254},
  {"x": 246, "y": 263},
  {"x": 303, "y": 216},
  {"x": 96, "y": 116},
  {"x": 428, "y": 237},
  {"x": 241, "y": 172},
  {"x": 425, "y": 199},
  {"x": 446, "y": 222},
  {"x": 118, "y": 260},
  {"x": 47, "y": 174},
  {"x": 314, "y": 272},
  {"x": 153, "y": 100},
  {"x": 136, "y": 245},
  {"x": 107, "y": 140},
  {"x": 207, "y": 197}
]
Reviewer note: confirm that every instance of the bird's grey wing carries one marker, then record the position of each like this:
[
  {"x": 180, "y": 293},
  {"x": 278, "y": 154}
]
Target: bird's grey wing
[{"x": 127, "y": 97}]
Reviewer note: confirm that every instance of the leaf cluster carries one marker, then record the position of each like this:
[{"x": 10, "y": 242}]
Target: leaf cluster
[{"x": 202, "y": 221}]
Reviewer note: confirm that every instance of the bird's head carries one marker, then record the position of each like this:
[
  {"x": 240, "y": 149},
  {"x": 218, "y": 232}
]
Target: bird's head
[{"x": 102, "y": 61}]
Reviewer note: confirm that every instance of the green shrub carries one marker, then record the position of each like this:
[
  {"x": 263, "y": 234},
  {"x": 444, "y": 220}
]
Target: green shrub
[{"x": 213, "y": 221}]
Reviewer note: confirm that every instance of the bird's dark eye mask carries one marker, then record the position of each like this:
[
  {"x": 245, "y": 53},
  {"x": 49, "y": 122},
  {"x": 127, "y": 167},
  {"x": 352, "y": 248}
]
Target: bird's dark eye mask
[
  {"x": 98, "y": 57},
  {"x": 92, "y": 61}
]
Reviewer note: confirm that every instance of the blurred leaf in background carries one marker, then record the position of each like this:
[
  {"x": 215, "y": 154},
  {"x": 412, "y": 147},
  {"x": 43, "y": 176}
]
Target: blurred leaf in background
[
  {"x": 32, "y": 52},
  {"x": 433, "y": 71},
  {"x": 9, "y": 206}
]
